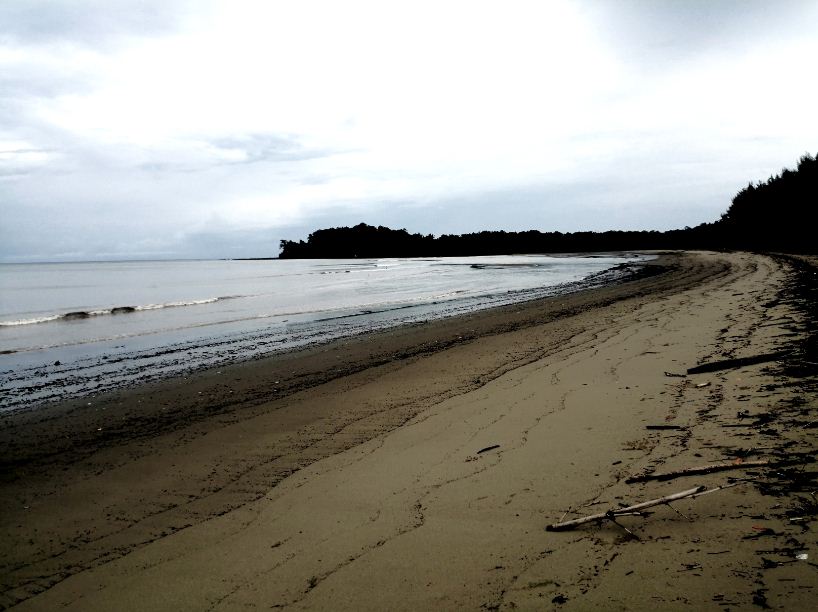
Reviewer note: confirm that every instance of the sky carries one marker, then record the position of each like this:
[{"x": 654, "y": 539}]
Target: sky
[{"x": 158, "y": 129}]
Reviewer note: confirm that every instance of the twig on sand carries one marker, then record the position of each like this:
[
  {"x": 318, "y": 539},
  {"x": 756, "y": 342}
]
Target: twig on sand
[
  {"x": 703, "y": 469},
  {"x": 621, "y": 526},
  {"x": 613, "y": 514},
  {"x": 488, "y": 448},
  {"x": 684, "y": 516}
]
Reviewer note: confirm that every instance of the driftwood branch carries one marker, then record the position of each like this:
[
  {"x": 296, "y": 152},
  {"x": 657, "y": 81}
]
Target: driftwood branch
[
  {"x": 488, "y": 448},
  {"x": 727, "y": 364},
  {"x": 612, "y": 514},
  {"x": 692, "y": 471},
  {"x": 717, "y": 489}
]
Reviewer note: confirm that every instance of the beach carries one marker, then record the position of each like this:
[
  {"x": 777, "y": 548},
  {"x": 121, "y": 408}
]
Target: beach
[{"x": 417, "y": 467}]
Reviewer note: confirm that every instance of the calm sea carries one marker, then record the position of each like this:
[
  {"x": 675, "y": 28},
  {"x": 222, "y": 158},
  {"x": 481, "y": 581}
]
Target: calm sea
[{"x": 69, "y": 329}]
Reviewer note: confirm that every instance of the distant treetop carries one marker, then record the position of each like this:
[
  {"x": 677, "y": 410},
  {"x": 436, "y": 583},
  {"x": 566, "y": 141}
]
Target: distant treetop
[{"x": 778, "y": 214}]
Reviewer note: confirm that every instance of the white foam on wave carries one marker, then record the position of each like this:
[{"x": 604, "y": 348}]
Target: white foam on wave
[
  {"x": 177, "y": 304},
  {"x": 85, "y": 314},
  {"x": 31, "y": 321}
]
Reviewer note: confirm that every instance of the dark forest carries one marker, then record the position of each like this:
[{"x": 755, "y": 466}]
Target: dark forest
[{"x": 775, "y": 215}]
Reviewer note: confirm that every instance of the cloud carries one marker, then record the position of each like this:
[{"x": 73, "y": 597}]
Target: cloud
[
  {"x": 255, "y": 148},
  {"x": 89, "y": 23},
  {"x": 656, "y": 34},
  {"x": 184, "y": 128}
]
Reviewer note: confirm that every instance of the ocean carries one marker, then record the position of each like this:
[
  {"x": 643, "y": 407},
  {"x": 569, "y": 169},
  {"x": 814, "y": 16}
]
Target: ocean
[{"x": 74, "y": 329}]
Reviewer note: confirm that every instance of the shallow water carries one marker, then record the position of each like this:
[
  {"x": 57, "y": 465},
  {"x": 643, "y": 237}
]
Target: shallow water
[{"x": 76, "y": 328}]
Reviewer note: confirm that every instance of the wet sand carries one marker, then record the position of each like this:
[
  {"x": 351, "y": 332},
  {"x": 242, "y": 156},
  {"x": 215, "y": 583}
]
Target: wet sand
[{"x": 349, "y": 476}]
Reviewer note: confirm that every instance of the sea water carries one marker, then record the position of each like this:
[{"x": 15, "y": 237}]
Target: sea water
[{"x": 69, "y": 329}]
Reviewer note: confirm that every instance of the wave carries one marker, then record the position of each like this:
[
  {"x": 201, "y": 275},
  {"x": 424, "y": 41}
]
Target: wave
[
  {"x": 508, "y": 266},
  {"x": 77, "y": 315}
]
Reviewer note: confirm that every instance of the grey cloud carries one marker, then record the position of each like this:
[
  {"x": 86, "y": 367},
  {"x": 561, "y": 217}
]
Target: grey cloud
[
  {"x": 658, "y": 32},
  {"x": 24, "y": 81},
  {"x": 38, "y": 75},
  {"x": 21, "y": 161},
  {"x": 256, "y": 149},
  {"x": 88, "y": 23},
  {"x": 269, "y": 148},
  {"x": 12, "y": 172}
]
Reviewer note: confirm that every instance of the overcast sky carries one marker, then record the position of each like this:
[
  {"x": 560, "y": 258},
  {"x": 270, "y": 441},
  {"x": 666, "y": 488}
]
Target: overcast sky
[{"x": 176, "y": 128}]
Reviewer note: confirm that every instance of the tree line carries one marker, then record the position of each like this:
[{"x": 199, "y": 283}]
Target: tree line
[{"x": 775, "y": 215}]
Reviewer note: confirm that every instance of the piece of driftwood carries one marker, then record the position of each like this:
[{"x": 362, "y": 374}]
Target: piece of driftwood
[
  {"x": 727, "y": 364},
  {"x": 718, "y": 488},
  {"x": 488, "y": 448},
  {"x": 702, "y": 469},
  {"x": 665, "y": 427},
  {"x": 612, "y": 514}
]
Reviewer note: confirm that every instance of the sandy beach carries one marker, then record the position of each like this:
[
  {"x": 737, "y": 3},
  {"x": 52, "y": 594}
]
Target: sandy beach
[{"x": 417, "y": 468}]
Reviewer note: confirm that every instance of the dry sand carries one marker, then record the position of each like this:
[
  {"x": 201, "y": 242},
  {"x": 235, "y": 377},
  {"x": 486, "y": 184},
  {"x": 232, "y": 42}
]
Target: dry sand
[{"x": 349, "y": 477}]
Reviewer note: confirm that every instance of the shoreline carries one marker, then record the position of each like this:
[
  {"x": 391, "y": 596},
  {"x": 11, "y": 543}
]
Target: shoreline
[
  {"x": 384, "y": 431},
  {"x": 278, "y": 375},
  {"x": 87, "y": 367}
]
